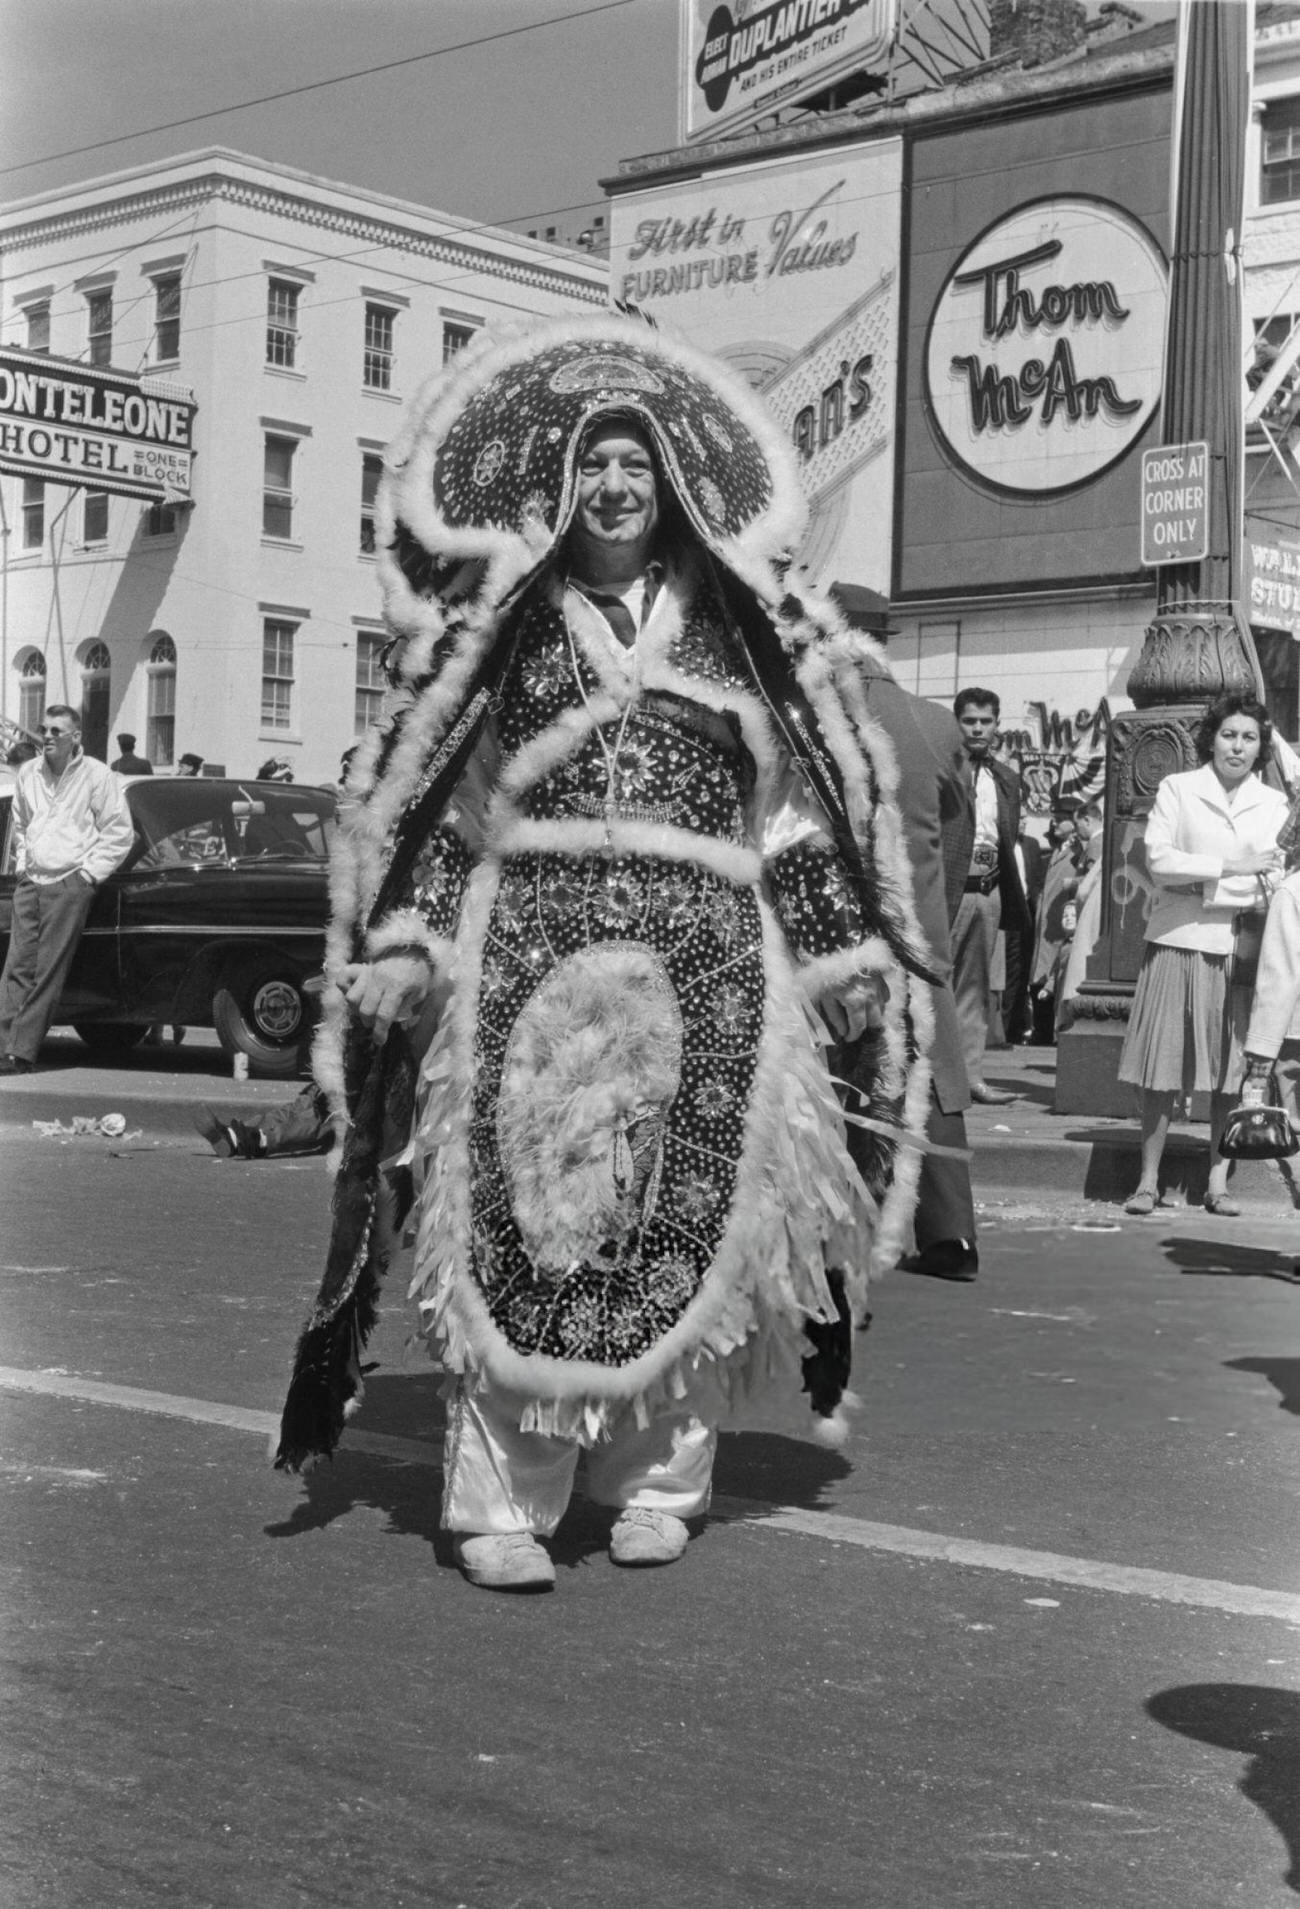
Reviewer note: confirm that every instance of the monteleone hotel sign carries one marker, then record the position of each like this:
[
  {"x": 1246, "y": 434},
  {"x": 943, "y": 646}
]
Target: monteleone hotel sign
[
  {"x": 1045, "y": 352},
  {"x": 94, "y": 428}
]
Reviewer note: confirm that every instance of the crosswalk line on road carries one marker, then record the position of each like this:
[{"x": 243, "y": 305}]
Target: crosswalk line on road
[{"x": 1165, "y": 1587}]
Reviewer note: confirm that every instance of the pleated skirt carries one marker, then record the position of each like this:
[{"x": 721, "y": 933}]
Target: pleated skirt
[{"x": 1187, "y": 1027}]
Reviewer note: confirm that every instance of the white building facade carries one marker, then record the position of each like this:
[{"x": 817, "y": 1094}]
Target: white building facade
[{"x": 303, "y": 316}]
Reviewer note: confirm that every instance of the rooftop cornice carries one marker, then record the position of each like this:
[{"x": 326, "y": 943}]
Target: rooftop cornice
[
  {"x": 1003, "y": 93},
  {"x": 121, "y": 208}
]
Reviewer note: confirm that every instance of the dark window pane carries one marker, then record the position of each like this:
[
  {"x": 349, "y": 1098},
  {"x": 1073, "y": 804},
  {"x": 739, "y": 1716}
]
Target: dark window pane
[{"x": 94, "y": 523}]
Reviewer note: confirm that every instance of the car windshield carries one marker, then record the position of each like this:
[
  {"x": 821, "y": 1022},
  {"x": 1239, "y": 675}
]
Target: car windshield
[{"x": 201, "y": 823}]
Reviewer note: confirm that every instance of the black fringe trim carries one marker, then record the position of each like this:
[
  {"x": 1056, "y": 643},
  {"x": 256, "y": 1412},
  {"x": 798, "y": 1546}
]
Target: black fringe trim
[
  {"x": 369, "y": 1208},
  {"x": 828, "y": 1368}
]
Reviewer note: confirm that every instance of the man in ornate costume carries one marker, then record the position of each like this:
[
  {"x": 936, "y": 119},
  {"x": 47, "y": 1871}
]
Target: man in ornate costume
[{"x": 619, "y": 869}]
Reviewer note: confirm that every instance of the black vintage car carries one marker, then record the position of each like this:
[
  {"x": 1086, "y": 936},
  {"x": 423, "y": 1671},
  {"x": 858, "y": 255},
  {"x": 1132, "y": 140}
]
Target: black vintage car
[{"x": 215, "y": 919}]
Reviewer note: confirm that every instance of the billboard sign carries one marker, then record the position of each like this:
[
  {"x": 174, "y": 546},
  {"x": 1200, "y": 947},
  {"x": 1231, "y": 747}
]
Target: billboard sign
[
  {"x": 1033, "y": 342},
  {"x": 789, "y": 270},
  {"x": 1175, "y": 504},
  {"x": 95, "y": 429},
  {"x": 1046, "y": 350},
  {"x": 1271, "y": 577},
  {"x": 744, "y": 58}
]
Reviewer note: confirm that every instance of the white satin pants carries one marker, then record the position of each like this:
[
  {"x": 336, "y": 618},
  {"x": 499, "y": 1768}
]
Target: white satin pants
[{"x": 499, "y": 1479}]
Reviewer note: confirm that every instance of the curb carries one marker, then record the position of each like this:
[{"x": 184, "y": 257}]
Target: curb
[
  {"x": 163, "y": 1114},
  {"x": 1103, "y": 1166}
]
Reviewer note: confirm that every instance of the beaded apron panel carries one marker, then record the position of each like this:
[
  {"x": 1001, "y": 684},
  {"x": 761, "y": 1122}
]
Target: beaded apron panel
[{"x": 619, "y": 1020}]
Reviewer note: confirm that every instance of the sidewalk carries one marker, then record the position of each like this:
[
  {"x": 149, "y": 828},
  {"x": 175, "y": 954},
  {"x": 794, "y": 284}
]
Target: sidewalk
[
  {"x": 1025, "y": 1148},
  {"x": 158, "y": 1089},
  {"x": 1024, "y": 1153}
]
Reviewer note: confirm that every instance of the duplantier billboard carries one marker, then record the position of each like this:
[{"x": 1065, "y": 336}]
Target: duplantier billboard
[
  {"x": 789, "y": 271},
  {"x": 742, "y": 58},
  {"x": 1034, "y": 339}
]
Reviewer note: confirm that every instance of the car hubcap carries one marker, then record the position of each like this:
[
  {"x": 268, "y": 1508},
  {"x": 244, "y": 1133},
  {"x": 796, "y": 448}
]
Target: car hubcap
[{"x": 277, "y": 1010}]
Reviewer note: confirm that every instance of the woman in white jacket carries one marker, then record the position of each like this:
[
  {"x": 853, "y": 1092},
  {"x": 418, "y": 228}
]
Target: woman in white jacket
[{"x": 1211, "y": 834}]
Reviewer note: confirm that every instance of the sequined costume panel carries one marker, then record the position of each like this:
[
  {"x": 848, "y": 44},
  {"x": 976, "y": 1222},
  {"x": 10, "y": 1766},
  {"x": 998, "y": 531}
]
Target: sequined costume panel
[
  {"x": 619, "y": 1016},
  {"x": 817, "y": 906},
  {"x": 437, "y": 881}
]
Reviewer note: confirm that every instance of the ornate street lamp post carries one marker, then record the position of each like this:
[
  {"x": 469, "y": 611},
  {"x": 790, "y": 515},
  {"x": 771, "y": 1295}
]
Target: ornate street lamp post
[{"x": 1198, "y": 643}]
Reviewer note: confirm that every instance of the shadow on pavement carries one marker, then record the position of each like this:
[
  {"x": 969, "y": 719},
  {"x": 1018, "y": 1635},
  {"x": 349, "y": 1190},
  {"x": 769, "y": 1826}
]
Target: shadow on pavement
[
  {"x": 406, "y": 1494},
  {"x": 1037, "y": 1093},
  {"x": 1256, "y": 1721},
  {"x": 399, "y": 1405},
  {"x": 775, "y": 1470},
  {"x": 1223, "y": 1259},
  {"x": 1284, "y": 1374},
  {"x": 757, "y": 1466}
]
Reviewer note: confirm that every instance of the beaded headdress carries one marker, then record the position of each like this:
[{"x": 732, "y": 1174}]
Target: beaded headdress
[{"x": 486, "y": 469}]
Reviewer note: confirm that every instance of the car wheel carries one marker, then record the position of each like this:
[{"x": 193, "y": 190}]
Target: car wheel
[
  {"x": 259, "y": 1010},
  {"x": 110, "y": 1037}
]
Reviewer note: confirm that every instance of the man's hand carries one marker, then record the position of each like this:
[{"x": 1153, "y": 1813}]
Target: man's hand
[
  {"x": 391, "y": 990},
  {"x": 856, "y": 1009}
]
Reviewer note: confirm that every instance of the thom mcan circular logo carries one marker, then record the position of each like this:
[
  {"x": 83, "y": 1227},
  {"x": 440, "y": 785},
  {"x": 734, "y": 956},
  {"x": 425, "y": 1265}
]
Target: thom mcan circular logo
[{"x": 1045, "y": 355}]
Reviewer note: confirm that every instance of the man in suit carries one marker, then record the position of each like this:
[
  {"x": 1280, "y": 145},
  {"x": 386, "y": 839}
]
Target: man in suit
[
  {"x": 936, "y": 803},
  {"x": 128, "y": 763},
  {"x": 993, "y": 896}
]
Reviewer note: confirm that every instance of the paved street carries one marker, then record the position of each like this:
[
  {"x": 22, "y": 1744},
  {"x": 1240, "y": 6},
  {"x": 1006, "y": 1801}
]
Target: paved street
[{"x": 1032, "y": 1641}]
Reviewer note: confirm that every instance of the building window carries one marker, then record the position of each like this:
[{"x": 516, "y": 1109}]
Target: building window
[
  {"x": 38, "y": 327},
  {"x": 96, "y": 673},
  {"x": 277, "y": 487},
  {"x": 31, "y": 693},
  {"x": 160, "y": 519},
  {"x": 160, "y": 733},
  {"x": 167, "y": 318},
  {"x": 1279, "y": 174},
  {"x": 377, "y": 362},
  {"x": 277, "y": 674},
  {"x": 33, "y": 513},
  {"x": 99, "y": 328},
  {"x": 281, "y": 323},
  {"x": 371, "y": 682},
  {"x": 454, "y": 339},
  {"x": 94, "y": 517},
  {"x": 372, "y": 469}
]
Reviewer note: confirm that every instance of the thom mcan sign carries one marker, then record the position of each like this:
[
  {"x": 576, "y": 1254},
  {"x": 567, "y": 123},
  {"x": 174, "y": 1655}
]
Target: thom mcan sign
[
  {"x": 97, "y": 430},
  {"x": 1045, "y": 352}
]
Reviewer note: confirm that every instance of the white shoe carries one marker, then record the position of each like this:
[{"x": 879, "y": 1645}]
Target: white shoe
[
  {"x": 647, "y": 1537},
  {"x": 505, "y": 1561}
]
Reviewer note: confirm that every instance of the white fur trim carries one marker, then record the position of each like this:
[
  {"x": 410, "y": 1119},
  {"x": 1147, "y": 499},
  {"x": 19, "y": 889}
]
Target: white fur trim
[
  {"x": 407, "y": 927},
  {"x": 826, "y": 973}
]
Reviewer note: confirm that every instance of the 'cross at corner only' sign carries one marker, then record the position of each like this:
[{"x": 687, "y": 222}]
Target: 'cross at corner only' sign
[{"x": 1175, "y": 504}]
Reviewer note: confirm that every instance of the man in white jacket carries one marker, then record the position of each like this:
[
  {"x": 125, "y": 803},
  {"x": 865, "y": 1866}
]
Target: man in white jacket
[{"x": 72, "y": 828}]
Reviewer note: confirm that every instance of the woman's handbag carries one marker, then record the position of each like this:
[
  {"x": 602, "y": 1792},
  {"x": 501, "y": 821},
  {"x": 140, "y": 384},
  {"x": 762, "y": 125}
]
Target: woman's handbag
[{"x": 1259, "y": 1132}]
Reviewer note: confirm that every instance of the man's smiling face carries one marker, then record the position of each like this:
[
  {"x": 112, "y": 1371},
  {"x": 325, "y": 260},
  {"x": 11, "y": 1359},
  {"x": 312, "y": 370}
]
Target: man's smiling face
[{"x": 618, "y": 499}]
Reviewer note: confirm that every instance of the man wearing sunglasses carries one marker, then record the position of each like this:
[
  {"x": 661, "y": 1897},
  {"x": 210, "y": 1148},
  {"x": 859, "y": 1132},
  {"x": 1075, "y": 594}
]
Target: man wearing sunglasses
[{"x": 72, "y": 828}]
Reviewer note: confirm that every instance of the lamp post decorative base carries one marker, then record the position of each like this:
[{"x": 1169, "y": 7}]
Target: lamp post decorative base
[
  {"x": 1191, "y": 655},
  {"x": 1144, "y": 746}
]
